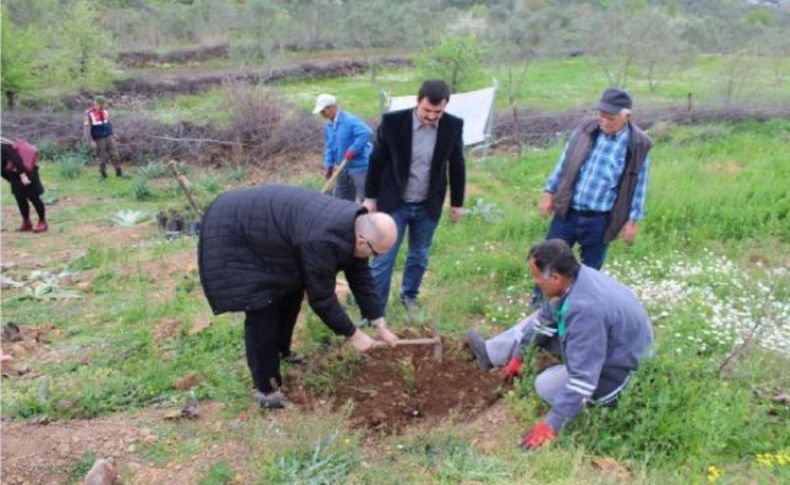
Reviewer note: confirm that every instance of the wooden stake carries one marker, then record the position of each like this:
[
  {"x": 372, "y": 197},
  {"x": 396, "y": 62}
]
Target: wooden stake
[{"x": 180, "y": 180}]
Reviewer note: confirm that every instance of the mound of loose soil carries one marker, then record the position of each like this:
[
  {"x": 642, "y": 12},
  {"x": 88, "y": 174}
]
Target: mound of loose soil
[{"x": 392, "y": 389}]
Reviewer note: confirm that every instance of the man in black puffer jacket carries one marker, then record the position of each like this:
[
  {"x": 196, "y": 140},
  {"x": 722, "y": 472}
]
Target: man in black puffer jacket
[{"x": 262, "y": 248}]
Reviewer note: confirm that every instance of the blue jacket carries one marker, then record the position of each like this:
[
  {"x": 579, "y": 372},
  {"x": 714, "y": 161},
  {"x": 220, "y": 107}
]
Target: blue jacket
[
  {"x": 348, "y": 134},
  {"x": 602, "y": 332}
]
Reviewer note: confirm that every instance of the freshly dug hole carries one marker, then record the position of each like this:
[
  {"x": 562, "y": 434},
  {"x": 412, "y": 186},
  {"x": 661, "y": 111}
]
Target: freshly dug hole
[{"x": 392, "y": 389}]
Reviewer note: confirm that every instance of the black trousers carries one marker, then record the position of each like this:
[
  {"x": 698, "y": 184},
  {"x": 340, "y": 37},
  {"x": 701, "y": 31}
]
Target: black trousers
[
  {"x": 32, "y": 193},
  {"x": 267, "y": 337}
]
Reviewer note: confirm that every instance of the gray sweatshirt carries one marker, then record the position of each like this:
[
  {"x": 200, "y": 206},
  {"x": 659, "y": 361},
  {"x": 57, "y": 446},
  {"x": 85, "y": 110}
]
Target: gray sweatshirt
[{"x": 601, "y": 328}]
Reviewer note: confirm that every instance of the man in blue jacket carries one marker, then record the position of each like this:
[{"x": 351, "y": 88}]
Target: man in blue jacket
[
  {"x": 592, "y": 321},
  {"x": 346, "y": 138}
]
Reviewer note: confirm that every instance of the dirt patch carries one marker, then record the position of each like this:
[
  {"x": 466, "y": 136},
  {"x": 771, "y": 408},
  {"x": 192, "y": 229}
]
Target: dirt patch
[
  {"x": 394, "y": 389},
  {"x": 20, "y": 342},
  {"x": 731, "y": 167},
  {"x": 49, "y": 454}
]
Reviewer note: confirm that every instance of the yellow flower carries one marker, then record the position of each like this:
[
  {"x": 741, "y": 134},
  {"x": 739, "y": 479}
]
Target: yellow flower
[
  {"x": 714, "y": 473},
  {"x": 764, "y": 459}
]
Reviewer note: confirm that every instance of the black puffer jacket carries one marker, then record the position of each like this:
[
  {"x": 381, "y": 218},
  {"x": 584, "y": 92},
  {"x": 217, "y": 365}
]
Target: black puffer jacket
[{"x": 260, "y": 243}]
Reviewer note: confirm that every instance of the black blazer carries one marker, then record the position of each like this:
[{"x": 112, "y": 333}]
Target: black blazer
[
  {"x": 388, "y": 171},
  {"x": 258, "y": 244}
]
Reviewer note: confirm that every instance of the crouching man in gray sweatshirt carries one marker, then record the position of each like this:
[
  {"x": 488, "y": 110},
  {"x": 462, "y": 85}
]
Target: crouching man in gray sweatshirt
[{"x": 592, "y": 321}]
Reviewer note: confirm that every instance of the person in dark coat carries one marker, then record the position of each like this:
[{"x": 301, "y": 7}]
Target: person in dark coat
[
  {"x": 416, "y": 154},
  {"x": 262, "y": 248},
  {"x": 26, "y": 187}
]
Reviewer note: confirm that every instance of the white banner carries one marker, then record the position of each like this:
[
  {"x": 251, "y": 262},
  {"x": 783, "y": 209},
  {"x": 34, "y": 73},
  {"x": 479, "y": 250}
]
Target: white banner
[{"x": 474, "y": 107}]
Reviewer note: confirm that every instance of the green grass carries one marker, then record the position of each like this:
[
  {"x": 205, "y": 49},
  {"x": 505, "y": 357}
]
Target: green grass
[
  {"x": 550, "y": 84},
  {"x": 717, "y": 205},
  {"x": 554, "y": 84}
]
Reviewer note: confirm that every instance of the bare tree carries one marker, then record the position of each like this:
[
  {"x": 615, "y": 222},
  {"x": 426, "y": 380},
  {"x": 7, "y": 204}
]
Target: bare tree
[
  {"x": 611, "y": 40},
  {"x": 660, "y": 47}
]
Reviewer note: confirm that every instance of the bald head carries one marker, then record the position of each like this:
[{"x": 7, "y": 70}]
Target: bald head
[{"x": 375, "y": 234}]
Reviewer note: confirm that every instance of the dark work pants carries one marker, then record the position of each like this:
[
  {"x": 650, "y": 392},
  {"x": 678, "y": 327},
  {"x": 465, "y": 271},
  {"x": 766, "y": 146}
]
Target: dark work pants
[{"x": 267, "y": 337}]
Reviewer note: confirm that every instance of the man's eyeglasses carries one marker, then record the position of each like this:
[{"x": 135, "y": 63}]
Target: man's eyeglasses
[{"x": 373, "y": 251}]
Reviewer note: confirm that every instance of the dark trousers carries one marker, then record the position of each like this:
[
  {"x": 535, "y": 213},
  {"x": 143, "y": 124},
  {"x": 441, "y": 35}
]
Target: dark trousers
[
  {"x": 267, "y": 337},
  {"x": 587, "y": 229},
  {"x": 31, "y": 193}
]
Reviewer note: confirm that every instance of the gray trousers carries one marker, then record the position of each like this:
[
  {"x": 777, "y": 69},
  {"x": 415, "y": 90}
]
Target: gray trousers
[
  {"x": 548, "y": 383},
  {"x": 351, "y": 186},
  {"x": 502, "y": 347}
]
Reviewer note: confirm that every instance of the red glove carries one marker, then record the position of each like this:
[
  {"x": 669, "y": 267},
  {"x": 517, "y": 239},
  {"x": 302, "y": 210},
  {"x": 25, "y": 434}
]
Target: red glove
[
  {"x": 328, "y": 173},
  {"x": 349, "y": 154},
  {"x": 537, "y": 436},
  {"x": 512, "y": 369}
]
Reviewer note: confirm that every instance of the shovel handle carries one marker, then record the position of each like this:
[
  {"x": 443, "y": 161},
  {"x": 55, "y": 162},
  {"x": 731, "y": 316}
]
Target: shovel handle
[{"x": 335, "y": 174}]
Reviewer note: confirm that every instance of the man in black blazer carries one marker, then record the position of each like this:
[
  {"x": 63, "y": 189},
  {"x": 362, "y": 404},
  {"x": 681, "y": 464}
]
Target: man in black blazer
[{"x": 417, "y": 151}]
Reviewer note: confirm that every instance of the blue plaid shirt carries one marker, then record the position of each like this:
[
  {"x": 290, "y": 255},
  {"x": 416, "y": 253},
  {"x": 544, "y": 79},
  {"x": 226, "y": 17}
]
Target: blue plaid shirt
[{"x": 599, "y": 175}]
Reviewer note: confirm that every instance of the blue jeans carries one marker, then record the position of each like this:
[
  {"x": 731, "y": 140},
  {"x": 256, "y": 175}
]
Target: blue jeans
[
  {"x": 421, "y": 230},
  {"x": 584, "y": 228},
  {"x": 587, "y": 230}
]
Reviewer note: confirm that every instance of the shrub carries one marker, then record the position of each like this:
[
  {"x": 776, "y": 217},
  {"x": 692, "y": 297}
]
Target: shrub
[
  {"x": 153, "y": 170},
  {"x": 142, "y": 189},
  {"x": 70, "y": 166},
  {"x": 211, "y": 183}
]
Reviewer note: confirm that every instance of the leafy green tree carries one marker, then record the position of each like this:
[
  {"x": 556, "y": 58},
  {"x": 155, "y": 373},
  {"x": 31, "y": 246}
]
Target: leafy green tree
[
  {"x": 84, "y": 47},
  {"x": 366, "y": 26},
  {"x": 19, "y": 65},
  {"x": 456, "y": 59},
  {"x": 263, "y": 30}
]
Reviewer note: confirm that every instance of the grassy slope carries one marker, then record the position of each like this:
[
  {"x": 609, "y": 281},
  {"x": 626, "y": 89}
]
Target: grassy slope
[
  {"x": 581, "y": 82},
  {"x": 717, "y": 199}
]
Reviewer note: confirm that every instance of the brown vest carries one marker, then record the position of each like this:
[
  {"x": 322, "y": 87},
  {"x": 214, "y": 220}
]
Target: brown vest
[{"x": 579, "y": 147}]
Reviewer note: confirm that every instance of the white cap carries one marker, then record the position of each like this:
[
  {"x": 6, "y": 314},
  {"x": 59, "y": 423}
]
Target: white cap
[{"x": 323, "y": 101}]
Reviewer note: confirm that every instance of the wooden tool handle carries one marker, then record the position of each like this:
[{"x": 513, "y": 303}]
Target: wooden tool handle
[
  {"x": 419, "y": 341},
  {"x": 412, "y": 341},
  {"x": 335, "y": 174}
]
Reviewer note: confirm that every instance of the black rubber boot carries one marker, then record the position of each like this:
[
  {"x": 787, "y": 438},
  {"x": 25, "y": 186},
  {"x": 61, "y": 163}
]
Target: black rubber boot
[{"x": 478, "y": 346}]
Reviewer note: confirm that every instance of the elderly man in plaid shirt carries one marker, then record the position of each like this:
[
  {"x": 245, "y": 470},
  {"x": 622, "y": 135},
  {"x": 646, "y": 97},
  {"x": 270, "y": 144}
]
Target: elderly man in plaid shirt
[{"x": 597, "y": 190}]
